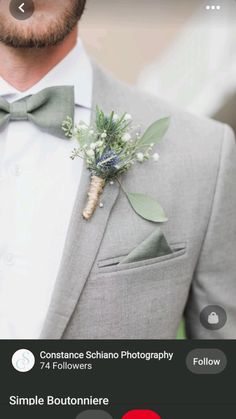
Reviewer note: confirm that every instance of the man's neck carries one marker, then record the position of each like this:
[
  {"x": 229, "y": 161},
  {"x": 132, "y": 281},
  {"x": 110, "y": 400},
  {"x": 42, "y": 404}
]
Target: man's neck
[{"x": 23, "y": 68}]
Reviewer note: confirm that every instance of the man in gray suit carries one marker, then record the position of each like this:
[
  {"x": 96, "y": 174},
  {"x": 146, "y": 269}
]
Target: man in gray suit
[{"x": 65, "y": 277}]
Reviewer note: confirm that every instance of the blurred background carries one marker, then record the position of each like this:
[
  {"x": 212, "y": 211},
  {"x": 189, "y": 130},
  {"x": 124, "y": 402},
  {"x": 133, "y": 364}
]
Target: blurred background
[{"x": 181, "y": 50}]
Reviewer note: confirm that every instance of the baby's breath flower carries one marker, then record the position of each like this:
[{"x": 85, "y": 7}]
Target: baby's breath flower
[
  {"x": 91, "y": 132},
  {"x": 155, "y": 156},
  {"x": 90, "y": 153},
  {"x": 126, "y": 137},
  {"x": 140, "y": 157},
  {"x": 82, "y": 127},
  {"x": 104, "y": 135},
  {"x": 128, "y": 117},
  {"x": 93, "y": 146}
]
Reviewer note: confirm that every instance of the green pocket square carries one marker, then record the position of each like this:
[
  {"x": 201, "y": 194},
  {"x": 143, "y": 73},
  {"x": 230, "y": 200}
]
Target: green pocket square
[{"x": 153, "y": 246}]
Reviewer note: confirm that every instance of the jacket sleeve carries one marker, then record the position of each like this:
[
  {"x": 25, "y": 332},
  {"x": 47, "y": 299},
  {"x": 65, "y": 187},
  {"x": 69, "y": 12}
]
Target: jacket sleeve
[{"x": 214, "y": 281}]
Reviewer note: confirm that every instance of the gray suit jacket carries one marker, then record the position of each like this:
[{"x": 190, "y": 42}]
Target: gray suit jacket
[{"x": 96, "y": 296}]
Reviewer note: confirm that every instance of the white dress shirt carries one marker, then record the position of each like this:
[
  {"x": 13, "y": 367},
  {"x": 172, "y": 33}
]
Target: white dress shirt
[{"x": 38, "y": 187}]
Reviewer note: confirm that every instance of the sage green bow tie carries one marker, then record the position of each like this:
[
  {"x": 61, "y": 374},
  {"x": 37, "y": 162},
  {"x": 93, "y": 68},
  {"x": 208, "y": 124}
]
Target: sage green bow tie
[{"x": 47, "y": 109}]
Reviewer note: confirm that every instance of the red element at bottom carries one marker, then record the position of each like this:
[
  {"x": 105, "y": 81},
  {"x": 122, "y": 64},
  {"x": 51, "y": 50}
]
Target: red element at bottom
[{"x": 141, "y": 414}]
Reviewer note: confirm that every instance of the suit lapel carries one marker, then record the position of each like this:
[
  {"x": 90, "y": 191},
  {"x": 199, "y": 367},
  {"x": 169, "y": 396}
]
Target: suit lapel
[{"x": 83, "y": 238}]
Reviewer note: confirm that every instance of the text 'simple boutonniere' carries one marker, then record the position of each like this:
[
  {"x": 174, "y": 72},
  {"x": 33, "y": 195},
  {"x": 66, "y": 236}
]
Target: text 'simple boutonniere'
[{"x": 110, "y": 148}]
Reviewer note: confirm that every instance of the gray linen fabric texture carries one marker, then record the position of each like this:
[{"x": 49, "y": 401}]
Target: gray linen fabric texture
[{"x": 96, "y": 295}]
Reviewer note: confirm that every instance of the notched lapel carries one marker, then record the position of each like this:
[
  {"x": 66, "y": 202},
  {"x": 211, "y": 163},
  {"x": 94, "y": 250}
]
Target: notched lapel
[
  {"x": 82, "y": 245},
  {"x": 84, "y": 237}
]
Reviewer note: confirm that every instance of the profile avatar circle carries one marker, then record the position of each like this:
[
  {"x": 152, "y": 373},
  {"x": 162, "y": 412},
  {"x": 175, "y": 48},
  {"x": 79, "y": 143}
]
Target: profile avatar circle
[{"x": 23, "y": 360}]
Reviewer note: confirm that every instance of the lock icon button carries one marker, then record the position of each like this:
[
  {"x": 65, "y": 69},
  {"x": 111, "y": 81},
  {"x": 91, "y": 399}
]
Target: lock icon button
[{"x": 213, "y": 318}]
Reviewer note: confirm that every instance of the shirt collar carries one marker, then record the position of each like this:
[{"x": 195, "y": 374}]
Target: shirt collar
[{"x": 74, "y": 70}]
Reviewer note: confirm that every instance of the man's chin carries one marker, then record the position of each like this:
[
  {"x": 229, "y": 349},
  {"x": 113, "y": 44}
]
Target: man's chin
[
  {"x": 33, "y": 41},
  {"x": 31, "y": 35}
]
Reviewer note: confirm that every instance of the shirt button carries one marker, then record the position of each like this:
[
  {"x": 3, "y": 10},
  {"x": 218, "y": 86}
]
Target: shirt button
[{"x": 9, "y": 259}]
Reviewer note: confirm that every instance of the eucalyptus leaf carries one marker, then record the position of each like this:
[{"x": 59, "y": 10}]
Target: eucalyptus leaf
[
  {"x": 147, "y": 207},
  {"x": 155, "y": 132}
]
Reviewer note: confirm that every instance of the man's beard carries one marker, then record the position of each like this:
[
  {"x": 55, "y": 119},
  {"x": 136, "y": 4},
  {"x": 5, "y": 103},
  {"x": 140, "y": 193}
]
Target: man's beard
[{"x": 54, "y": 32}]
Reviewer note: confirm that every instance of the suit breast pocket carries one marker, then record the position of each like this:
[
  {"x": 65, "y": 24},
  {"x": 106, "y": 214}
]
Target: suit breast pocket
[
  {"x": 116, "y": 262},
  {"x": 143, "y": 299},
  {"x": 112, "y": 265}
]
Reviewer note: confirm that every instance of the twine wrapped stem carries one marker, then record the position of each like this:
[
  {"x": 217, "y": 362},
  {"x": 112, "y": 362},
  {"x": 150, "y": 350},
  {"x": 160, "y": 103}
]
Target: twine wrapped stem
[{"x": 95, "y": 190}]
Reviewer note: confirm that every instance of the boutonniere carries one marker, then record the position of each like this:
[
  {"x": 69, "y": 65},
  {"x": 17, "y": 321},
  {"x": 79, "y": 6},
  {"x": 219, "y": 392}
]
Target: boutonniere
[{"x": 110, "y": 148}]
